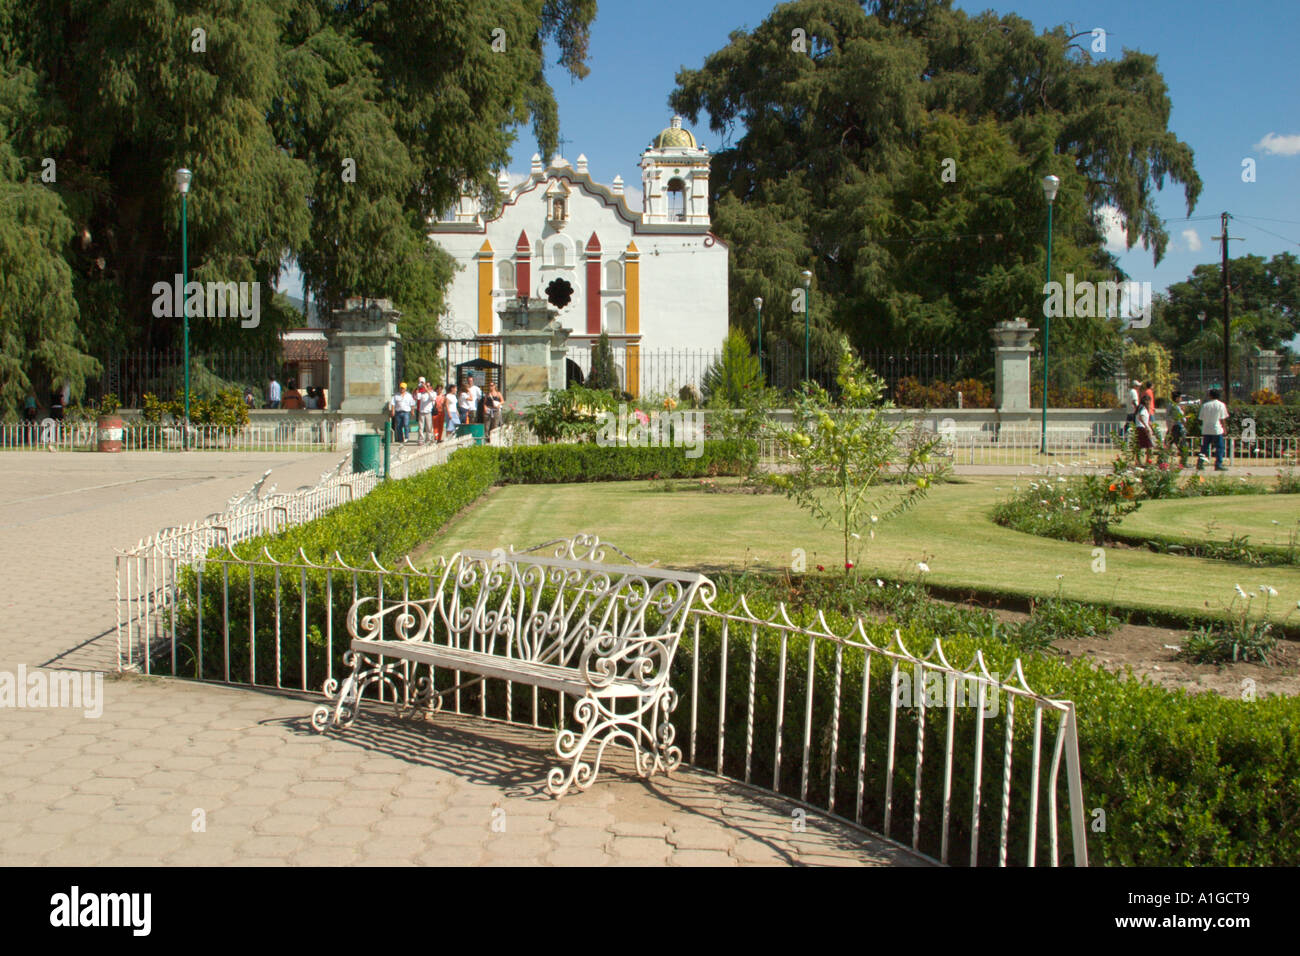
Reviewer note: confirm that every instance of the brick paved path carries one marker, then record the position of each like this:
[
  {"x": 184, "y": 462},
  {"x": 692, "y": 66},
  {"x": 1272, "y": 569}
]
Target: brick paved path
[{"x": 183, "y": 773}]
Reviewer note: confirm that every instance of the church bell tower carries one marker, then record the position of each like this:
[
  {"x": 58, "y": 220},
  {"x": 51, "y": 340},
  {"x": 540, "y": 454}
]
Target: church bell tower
[{"x": 675, "y": 178}]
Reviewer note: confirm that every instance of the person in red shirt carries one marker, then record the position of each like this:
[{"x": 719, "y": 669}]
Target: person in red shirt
[{"x": 439, "y": 412}]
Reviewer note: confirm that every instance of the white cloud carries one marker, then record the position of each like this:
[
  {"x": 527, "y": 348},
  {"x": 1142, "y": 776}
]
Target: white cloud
[
  {"x": 1192, "y": 239},
  {"x": 1276, "y": 145}
]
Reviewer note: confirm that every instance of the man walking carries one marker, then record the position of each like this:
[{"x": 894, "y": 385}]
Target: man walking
[
  {"x": 273, "y": 394},
  {"x": 1214, "y": 416},
  {"x": 1133, "y": 400}
]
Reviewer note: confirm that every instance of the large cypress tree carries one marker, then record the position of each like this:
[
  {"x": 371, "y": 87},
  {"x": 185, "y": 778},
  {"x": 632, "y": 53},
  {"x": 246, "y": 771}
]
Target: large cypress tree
[
  {"x": 321, "y": 131},
  {"x": 840, "y": 158}
]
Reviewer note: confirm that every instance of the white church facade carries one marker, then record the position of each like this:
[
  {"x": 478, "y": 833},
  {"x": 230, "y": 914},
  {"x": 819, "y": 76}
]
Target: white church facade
[{"x": 655, "y": 280}]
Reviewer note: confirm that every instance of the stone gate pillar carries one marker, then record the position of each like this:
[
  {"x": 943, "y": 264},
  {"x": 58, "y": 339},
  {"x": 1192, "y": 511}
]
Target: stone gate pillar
[
  {"x": 1012, "y": 348},
  {"x": 534, "y": 350},
  {"x": 1264, "y": 367},
  {"x": 361, "y": 344}
]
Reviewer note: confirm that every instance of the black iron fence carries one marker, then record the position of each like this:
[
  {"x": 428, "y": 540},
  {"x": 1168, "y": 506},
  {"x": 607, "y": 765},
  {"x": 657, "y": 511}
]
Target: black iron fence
[
  {"x": 130, "y": 374},
  {"x": 783, "y": 366},
  {"x": 1198, "y": 377}
]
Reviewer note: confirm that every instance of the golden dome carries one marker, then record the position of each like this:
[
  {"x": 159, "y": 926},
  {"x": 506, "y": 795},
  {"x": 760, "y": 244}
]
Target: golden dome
[{"x": 675, "y": 137}]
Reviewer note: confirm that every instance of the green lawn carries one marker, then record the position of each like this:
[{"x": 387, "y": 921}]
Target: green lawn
[
  {"x": 1268, "y": 519},
  {"x": 950, "y": 530}
]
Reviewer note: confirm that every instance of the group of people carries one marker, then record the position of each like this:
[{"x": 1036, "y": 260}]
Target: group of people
[
  {"x": 1213, "y": 417},
  {"x": 438, "y": 410},
  {"x": 290, "y": 398}
]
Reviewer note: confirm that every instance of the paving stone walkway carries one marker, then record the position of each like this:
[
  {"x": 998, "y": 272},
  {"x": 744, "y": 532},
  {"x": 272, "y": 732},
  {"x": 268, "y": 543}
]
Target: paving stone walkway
[{"x": 180, "y": 773}]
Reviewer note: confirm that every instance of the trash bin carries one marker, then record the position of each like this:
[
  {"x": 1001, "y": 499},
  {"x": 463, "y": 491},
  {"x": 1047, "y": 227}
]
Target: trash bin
[
  {"x": 110, "y": 430},
  {"x": 475, "y": 429},
  {"x": 366, "y": 451}
]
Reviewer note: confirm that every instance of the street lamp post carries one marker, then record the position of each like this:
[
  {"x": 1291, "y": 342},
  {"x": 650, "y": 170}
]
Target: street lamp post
[
  {"x": 183, "y": 177},
  {"x": 1050, "y": 185},
  {"x": 758, "y": 307},
  {"x": 807, "y": 312},
  {"x": 1201, "y": 383}
]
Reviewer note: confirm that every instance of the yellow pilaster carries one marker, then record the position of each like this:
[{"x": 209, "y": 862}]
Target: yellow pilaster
[
  {"x": 632, "y": 317},
  {"x": 634, "y": 369},
  {"x": 633, "y": 281},
  {"x": 485, "y": 269}
]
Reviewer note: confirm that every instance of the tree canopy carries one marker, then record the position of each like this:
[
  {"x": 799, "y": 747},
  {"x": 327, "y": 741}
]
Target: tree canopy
[
  {"x": 322, "y": 132},
  {"x": 1264, "y": 309},
  {"x": 897, "y": 151}
]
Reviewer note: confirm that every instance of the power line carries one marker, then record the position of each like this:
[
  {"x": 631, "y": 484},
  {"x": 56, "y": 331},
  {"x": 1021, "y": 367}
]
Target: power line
[
  {"x": 1293, "y": 222},
  {"x": 1268, "y": 232}
]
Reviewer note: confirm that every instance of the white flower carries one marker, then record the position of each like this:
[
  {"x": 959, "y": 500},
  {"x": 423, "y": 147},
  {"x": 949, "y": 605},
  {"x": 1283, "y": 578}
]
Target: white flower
[
  {"x": 1074, "y": 508},
  {"x": 874, "y": 519},
  {"x": 854, "y": 534},
  {"x": 1265, "y": 589},
  {"x": 1059, "y": 576},
  {"x": 923, "y": 567},
  {"x": 1062, "y": 478},
  {"x": 879, "y": 583},
  {"x": 1238, "y": 589}
]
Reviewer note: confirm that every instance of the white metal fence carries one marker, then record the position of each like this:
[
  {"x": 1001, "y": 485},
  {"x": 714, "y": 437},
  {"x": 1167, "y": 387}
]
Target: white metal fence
[
  {"x": 148, "y": 574},
  {"x": 293, "y": 435},
  {"x": 970, "y": 774},
  {"x": 1092, "y": 447}
]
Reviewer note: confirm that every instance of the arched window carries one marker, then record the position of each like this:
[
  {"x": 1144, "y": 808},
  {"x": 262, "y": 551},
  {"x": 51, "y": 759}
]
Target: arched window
[
  {"x": 676, "y": 200},
  {"x": 557, "y": 255},
  {"x": 614, "y": 275},
  {"x": 506, "y": 276},
  {"x": 614, "y": 318}
]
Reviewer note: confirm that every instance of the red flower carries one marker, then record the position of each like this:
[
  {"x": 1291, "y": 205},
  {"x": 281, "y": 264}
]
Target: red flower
[
  {"x": 848, "y": 565},
  {"x": 820, "y": 568}
]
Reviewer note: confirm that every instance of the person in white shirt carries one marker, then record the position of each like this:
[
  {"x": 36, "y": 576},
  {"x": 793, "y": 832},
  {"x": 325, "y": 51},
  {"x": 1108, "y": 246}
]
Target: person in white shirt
[
  {"x": 403, "y": 404},
  {"x": 1142, "y": 420},
  {"x": 273, "y": 394},
  {"x": 451, "y": 412},
  {"x": 476, "y": 400},
  {"x": 1134, "y": 399},
  {"x": 424, "y": 399},
  {"x": 466, "y": 403},
  {"x": 1214, "y": 415}
]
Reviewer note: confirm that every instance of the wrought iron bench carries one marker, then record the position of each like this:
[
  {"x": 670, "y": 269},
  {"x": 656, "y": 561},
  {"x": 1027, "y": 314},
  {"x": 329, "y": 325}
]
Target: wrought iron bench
[{"x": 604, "y": 634}]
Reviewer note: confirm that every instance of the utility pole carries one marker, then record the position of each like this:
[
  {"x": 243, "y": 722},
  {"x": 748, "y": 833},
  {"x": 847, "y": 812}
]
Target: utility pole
[{"x": 1227, "y": 378}]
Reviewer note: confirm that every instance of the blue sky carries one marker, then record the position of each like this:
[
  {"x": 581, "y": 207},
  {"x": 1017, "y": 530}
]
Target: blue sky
[{"x": 1230, "y": 72}]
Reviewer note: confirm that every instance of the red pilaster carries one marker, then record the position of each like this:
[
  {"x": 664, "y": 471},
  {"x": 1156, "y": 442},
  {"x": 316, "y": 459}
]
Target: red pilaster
[{"x": 593, "y": 285}]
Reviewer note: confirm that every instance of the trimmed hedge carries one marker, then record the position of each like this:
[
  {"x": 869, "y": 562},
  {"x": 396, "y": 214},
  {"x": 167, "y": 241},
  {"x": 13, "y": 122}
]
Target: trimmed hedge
[
  {"x": 1271, "y": 421},
  {"x": 393, "y": 519},
  {"x": 553, "y": 464}
]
